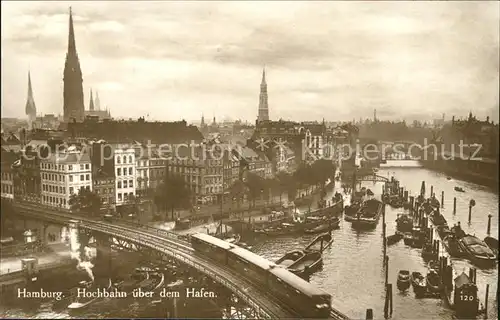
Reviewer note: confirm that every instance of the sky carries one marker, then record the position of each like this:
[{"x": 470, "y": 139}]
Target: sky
[{"x": 332, "y": 60}]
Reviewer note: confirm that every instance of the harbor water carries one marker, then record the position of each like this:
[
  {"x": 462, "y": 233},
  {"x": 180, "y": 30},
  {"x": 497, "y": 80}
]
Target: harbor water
[{"x": 353, "y": 270}]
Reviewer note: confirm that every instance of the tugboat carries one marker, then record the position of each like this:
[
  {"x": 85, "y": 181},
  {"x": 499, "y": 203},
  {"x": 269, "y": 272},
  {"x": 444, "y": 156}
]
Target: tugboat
[
  {"x": 419, "y": 284},
  {"x": 327, "y": 226},
  {"x": 458, "y": 189},
  {"x": 403, "y": 280}
]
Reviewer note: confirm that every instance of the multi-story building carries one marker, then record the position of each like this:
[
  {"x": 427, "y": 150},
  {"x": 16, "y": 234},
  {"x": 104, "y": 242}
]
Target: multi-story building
[
  {"x": 27, "y": 182},
  {"x": 231, "y": 173},
  {"x": 201, "y": 168},
  {"x": 63, "y": 175},
  {"x": 7, "y": 186},
  {"x": 125, "y": 173},
  {"x": 151, "y": 169},
  {"x": 255, "y": 162},
  {"x": 104, "y": 187}
]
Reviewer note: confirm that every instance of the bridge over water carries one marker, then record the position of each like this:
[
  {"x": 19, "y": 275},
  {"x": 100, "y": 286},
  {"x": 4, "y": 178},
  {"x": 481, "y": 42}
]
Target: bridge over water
[{"x": 171, "y": 245}]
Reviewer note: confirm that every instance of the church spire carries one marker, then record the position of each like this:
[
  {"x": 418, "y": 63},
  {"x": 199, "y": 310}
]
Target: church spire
[
  {"x": 97, "y": 102},
  {"x": 30, "y": 108},
  {"x": 263, "y": 103},
  {"x": 73, "y": 88},
  {"x": 91, "y": 102}
]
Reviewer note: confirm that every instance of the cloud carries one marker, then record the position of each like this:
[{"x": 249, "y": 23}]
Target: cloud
[{"x": 181, "y": 59}]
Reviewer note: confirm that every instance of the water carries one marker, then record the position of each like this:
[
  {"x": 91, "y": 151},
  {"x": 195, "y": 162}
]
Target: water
[{"x": 352, "y": 268}]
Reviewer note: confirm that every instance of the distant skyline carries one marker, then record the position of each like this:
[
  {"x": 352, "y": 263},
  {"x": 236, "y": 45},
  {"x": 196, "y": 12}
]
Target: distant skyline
[{"x": 332, "y": 60}]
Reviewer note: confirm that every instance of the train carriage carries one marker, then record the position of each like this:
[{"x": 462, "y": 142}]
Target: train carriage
[
  {"x": 212, "y": 247},
  {"x": 306, "y": 299},
  {"x": 248, "y": 262}
]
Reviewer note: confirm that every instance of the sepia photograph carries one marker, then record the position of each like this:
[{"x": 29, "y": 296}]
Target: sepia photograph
[{"x": 249, "y": 160}]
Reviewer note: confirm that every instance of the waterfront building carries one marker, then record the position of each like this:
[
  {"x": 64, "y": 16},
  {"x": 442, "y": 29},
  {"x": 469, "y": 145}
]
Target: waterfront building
[
  {"x": 151, "y": 170},
  {"x": 27, "y": 181},
  {"x": 73, "y": 106},
  {"x": 7, "y": 174},
  {"x": 125, "y": 173},
  {"x": 63, "y": 175},
  {"x": 254, "y": 161},
  {"x": 202, "y": 170},
  {"x": 103, "y": 174}
]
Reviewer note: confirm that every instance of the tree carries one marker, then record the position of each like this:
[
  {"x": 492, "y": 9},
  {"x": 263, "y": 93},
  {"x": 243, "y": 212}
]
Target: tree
[
  {"x": 255, "y": 185},
  {"x": 173, "y": 193},
  {"x": 238, "y": 190},
  {"x": 86, "y": 201},
  {"x": 283, "y": 182}
]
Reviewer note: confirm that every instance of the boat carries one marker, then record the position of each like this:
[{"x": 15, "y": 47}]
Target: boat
[
  {"x": 437, "y": 219},
  {"x": 234, "y": 239},
  {"x": 154, "y": 282},
  {"x": 419, "y": 284},
  {"x": 404, "y": 223},
  {"x": 443, "y": 231},
  {"x": 138, "y": 277},
  {"x": 450, "y": 243},
  {"x": 492, "y": 243},
  {"x": 477, "y": 251},
  {"x": 350, "y": 211},
  {"x": 403, "y": 282},
  {"x": 415, "y": 239},
  {"x": 448, "y": 178},
  {"x": 368, "y": 215},
  {"x": 433, "y": 281},
  {"x": 465, "y": 308},
  {"x": 428, "y": 252},
  {"x": 395, "y": 238},
  {"x": 304, "y": 200},
  {"x": 290, "y": 258},
  {"x": 308, "y": 264},
  {"x": 459, "y": 189},
  {"x": 281, "y": 229},
  {"x": 327, "y": 226},
  {"x": 82, "y": 302}
]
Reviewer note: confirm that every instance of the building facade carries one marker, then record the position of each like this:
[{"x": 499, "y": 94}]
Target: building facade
[
  {"x": 125, "y": 173},
  {"x": 63, "y": 175},
  {"x": 7, "y": 182}
]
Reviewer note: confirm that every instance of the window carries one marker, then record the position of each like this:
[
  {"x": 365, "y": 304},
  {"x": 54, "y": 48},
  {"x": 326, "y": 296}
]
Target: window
[
  {"x": 131, "y": 183},
  {"x": 124, "y": 159},
  {"x": 87, "y": 166},
  {"x": 87, "y": 177},
  {"x": 70, "y": 167},
  {"x": 130, "y": 171},
  {"x": 119, "y": 184},
  {"x": 118, "y": 171},
  {"x": 60, "y": 189},
  {"x": 88, "y": 188},
  {"x": 81, "y": 167},
  {"x": 118, "y": 159},
  {"x": 119, "y": 197},
  {"x": 71, "y": 190},
  {"x": 82, "y": 177},
  {"x": 130, "y": 159},
  {"x": 125, "y": 184},
  {"x": 70, "y": 178}
]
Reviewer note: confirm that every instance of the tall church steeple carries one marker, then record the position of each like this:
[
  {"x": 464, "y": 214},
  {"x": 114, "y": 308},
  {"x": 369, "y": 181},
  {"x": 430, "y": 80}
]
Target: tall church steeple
[
  {"x": 91, "y": 102},
  {"x": 73, "y": 82},
  {"x": 30, "y": 108},
  {"x": 263, "y": 103},
  {"x": 97, "y": 102}
]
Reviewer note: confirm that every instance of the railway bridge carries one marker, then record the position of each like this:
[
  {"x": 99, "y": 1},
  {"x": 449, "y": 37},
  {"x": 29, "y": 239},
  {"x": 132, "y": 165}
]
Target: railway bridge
[{"x": 169, "y": 245}]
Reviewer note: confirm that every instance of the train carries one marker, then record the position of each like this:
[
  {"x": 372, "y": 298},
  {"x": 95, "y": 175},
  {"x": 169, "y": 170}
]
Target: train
[{"x": 303, "y": 298}]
